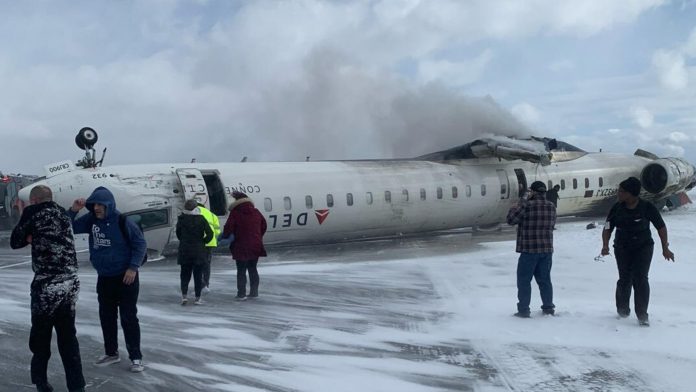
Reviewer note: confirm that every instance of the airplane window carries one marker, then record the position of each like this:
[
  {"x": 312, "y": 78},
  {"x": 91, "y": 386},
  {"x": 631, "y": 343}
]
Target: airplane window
[
  {"x": 151, "y": 219},
  {"x": 562, "y": 184},
  {"x": 349, "y": 199},
  {"x": 369, "y": 197},
  {"x": 468, "y": 191},
  {"x": 267, "y": 204},
  {"x": 601, "y": 182},
  {"x": 575, "y": 183},
  {"x": 483, "y": 190},
  {"x": 587, "y": 183},
  {"x": 287, "y": 203},
  {"x": 455, "y": 192},
  {"x": 422, "y": 194},
  {"x": 387, "y": 196},
  {"x": 503, "y": 189},
  {"x": 329, "y": 200},
  {"x": 439, "y": 193},
  {"x": 405, "y": 194},
  {"x": 308, "y": 201}
]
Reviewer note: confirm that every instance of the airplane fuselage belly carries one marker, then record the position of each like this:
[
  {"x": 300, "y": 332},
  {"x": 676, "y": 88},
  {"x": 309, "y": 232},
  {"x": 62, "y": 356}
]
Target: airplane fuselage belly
[{"x": 343, "y": 200}]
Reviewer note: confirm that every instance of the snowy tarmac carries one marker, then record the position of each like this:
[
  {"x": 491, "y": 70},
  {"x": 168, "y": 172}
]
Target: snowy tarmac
[{"x": 429, "y": 314}]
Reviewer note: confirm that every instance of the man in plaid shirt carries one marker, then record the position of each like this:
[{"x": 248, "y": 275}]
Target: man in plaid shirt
[{"x": 535, "y": 218}]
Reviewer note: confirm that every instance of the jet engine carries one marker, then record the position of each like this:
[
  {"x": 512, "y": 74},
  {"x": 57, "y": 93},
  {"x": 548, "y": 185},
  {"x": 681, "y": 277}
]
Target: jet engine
[{"x": 668, "y": 176}]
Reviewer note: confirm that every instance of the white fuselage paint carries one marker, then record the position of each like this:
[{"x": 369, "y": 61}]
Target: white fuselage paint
[{"x": 281, "y": 191}]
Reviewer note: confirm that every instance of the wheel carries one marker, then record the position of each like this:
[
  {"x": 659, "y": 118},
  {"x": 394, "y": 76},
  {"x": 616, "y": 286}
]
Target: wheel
[{"x": 86, "y": 138}]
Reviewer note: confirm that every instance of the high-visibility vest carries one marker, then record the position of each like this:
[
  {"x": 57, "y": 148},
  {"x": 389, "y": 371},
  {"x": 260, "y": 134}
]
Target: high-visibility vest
[{"x": 214, "y": 224}]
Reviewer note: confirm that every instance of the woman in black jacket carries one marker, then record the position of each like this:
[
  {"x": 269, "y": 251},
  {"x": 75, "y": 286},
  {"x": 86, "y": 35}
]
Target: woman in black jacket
[{"x": 193, "y": 233}]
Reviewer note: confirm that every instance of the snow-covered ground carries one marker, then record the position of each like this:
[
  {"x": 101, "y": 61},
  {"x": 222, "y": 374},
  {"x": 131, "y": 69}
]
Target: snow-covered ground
[{"x": 431, "y": 314}]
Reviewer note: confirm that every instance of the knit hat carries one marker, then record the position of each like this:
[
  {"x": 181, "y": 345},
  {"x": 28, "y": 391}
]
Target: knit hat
[
  {"x": 190, "y": 205},
  {"x": 538, "y": 186},
  {"x": 631, "y": 185}
]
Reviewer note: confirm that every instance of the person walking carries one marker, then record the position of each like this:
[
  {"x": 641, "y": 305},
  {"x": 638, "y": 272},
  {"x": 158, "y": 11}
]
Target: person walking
[
  {"x": 214, "y": 224},
  {"x": 552, "y": 195},
  {"x": 247, "y": 226},
  {"x": 535, "y": 218},
  {"x": 54, "y": 289},
  {"x": 193, "y": 232},
  {"x": 116, "y": 250},
  {"x": 631, "y": 216}
]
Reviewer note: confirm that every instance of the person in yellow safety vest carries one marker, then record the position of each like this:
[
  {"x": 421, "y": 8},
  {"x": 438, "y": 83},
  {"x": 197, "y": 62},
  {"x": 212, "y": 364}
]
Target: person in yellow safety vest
[{"x": 214, "y": 223}]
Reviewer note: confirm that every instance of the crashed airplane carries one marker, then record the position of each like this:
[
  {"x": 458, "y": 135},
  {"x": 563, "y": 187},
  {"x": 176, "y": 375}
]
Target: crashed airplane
[{"x": 472, "y": 185}]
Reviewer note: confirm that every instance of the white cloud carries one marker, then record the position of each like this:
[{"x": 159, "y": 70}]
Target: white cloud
[
  {"x": 614, "y": 131},
  {"x": 642, "y": 117},
  {"x": 299, "y": 77},
  {"x": 690, "y": 46},
  {"x": 526, "y": 113},
  {"x": 678, "y": 137},
  {"x": 671, "y": 69},
  {"x": 452, "y": 73},
  {"x": 590, "y": 17},
  {"x": 674, "y": 150}
]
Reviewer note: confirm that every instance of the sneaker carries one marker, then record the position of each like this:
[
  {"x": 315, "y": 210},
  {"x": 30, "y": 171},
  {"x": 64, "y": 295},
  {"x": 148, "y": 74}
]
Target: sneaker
[
  {"x": 548, "y": 312},
  {"x": 107, "y": 360},
  {"x": 184, "y": 301},
  {"x": 137, "y": 366},
  {"x": 644, "y": 322},
  {"x": 206, "y": 290},
  {"x": 253, "y": 295},
  {"x": 522, "y": 315},
  {"x": 198, "y": 301},
  {"x": 44, "y": 387},
  {"x": 240, "y": 298},
  {"x": 623, "y": 313}
]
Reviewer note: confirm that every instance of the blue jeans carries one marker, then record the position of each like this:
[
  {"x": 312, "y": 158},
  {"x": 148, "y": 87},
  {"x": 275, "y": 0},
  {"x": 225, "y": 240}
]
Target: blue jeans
[{"x": 537, "y": 265}]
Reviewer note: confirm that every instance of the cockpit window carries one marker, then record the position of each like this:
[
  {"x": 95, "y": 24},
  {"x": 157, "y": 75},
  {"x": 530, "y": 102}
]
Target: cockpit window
[{"x": 150, "y": 219}]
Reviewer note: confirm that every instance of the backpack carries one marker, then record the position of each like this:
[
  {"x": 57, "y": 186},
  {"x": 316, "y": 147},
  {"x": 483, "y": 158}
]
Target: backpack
[{"x": 124, "y": 232}]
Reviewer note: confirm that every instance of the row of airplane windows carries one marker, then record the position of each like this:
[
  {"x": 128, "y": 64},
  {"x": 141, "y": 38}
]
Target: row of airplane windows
[{"x": 369, "y": 198}]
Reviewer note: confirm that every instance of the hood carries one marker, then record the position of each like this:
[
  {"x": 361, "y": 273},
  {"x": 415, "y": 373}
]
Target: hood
[
  {"x": 195, "y": 211},
  {"x": 242, "y": 204},
  {"x": 103, "y": 196}
]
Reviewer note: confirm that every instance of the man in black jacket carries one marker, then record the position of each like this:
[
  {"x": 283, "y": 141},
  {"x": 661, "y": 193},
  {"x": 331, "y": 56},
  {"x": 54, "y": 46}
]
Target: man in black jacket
[{"x": 54, "y": 289}]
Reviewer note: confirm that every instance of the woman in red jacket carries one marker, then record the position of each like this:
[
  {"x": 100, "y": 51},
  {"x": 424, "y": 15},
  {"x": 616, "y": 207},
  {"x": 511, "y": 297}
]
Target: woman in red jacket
[{"x": 246, "y": 226}]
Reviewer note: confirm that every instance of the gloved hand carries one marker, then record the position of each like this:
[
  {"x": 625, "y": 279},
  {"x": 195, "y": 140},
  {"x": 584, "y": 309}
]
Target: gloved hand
[{"x": 225, "y": 241}]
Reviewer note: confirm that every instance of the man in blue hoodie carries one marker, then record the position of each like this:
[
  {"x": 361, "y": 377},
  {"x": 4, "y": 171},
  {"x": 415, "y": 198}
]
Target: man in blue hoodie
[{"x": 116, "y": 260}]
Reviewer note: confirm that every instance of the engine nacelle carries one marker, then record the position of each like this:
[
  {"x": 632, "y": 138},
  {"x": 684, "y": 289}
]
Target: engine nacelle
[{"x": 667, "y": 176}]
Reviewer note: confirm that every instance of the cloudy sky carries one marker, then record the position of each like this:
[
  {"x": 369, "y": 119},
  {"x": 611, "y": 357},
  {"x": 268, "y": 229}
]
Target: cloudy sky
[{"x": 219, "y": 80}]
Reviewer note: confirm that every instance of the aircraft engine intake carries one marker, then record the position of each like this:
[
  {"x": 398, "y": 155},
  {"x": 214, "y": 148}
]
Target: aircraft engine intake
[{"x": 667, "y": 175}]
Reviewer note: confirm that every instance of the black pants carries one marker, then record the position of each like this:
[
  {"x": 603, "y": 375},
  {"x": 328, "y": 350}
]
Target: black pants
[
  {"x": 634, "y": 266},
  {"x": 242, "y": 267},
  {"x": 197, "y": 270},
  {"x": 206, "y": 267},
  {"x": 116, "y": 297},
  {"x": 63, "y": 320}
]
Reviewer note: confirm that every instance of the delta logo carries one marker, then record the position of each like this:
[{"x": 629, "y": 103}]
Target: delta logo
[{"x": 321, "y": 215}]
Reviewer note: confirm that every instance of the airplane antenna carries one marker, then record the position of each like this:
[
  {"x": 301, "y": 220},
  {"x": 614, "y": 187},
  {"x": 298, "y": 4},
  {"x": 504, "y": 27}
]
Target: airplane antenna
[{"x": 102, "y": 158}]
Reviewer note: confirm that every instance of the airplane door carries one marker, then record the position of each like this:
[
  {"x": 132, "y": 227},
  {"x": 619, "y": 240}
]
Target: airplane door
[
  {"x": 194, "y": 185},
  {"x": 504, "y": 184},
  {"x": 521, "y": 182}
]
